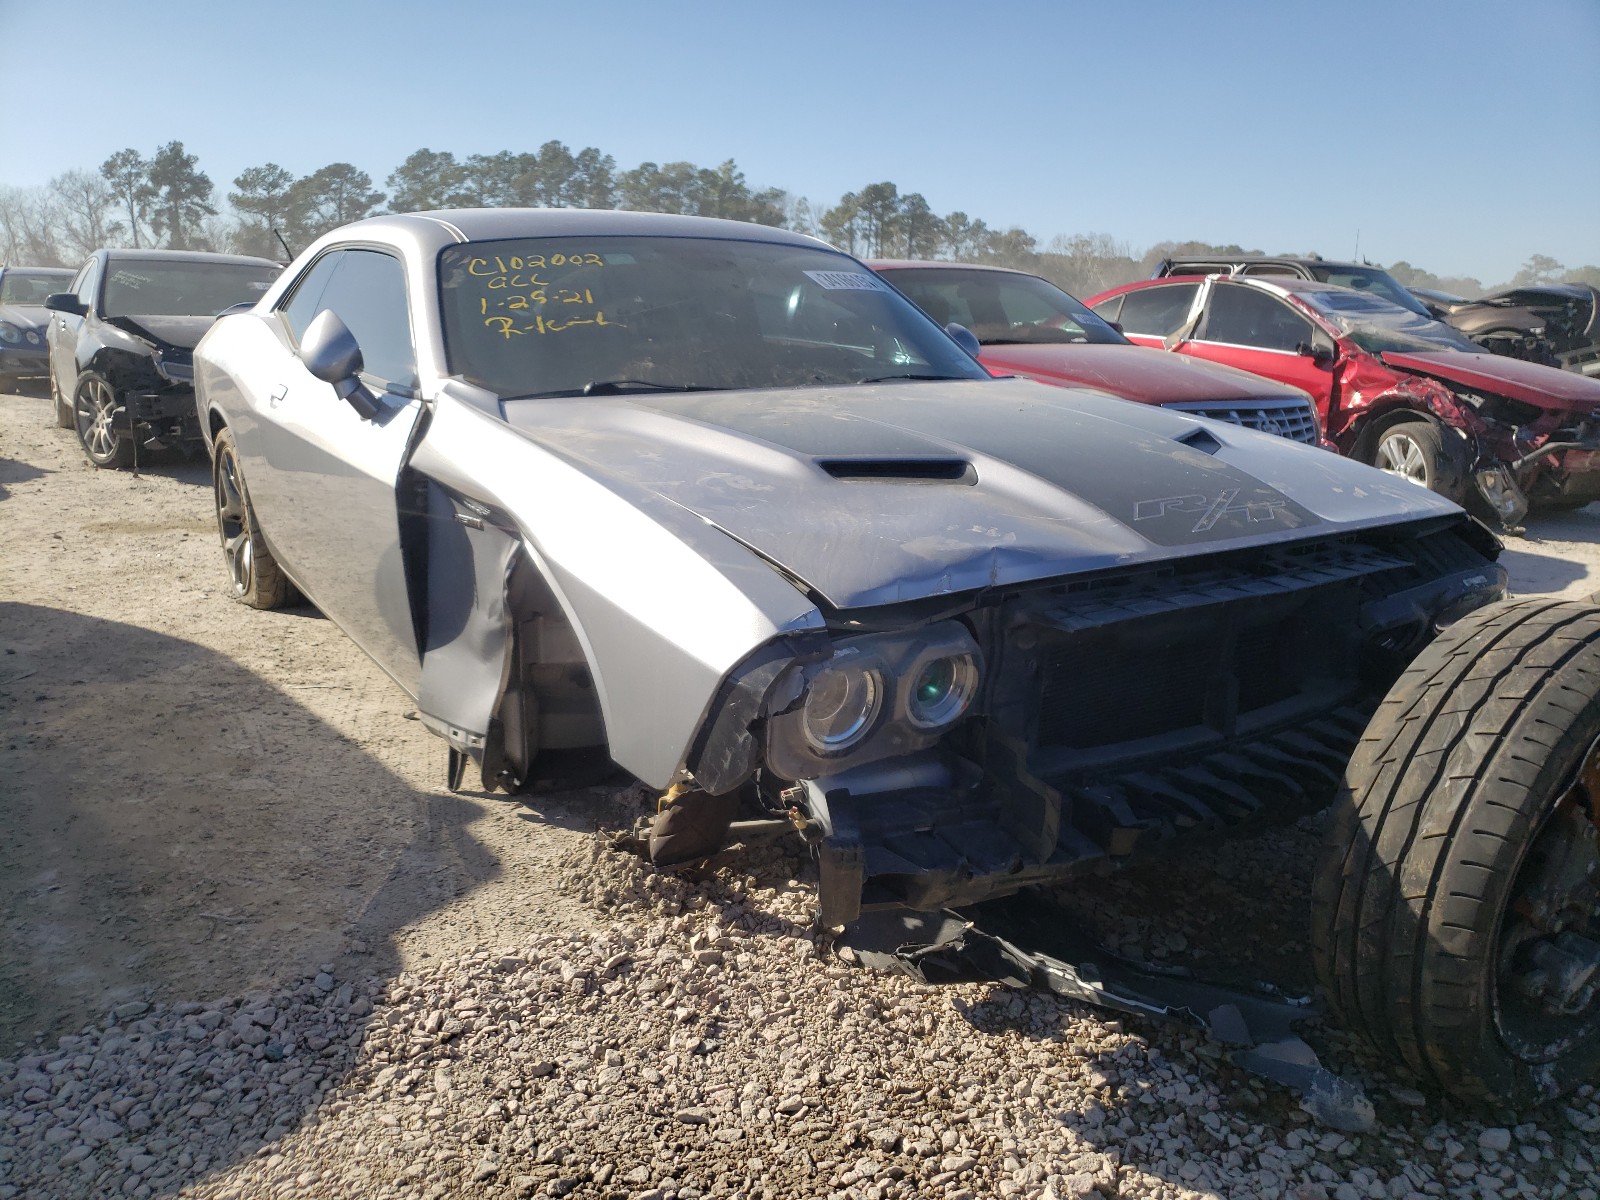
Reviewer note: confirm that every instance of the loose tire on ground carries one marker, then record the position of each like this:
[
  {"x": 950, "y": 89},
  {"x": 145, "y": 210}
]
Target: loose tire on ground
[
  {"x": 253, "y": 573},
  {"x": 1458, "y": 807}
]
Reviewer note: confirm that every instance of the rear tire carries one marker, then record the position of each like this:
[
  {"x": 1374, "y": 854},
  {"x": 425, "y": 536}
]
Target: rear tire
[
  {"x": 253, "y": 574},
  {"x": 63, "y": 409},
  {"x": 1436, "y": 907}
]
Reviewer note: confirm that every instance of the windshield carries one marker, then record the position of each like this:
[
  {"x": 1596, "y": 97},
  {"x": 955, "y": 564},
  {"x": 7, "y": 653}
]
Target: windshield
[
  {"x": 1003, "y": 308},
  {"x": 561, "y": 316},
  {"x": 31, "y": 287},
  {"x": 1375, "y": 325},
  {"x": 157, "y": 288},
  {"x": 1373, "y": 280}
]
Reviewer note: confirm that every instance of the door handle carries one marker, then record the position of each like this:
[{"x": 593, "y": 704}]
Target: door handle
[{"x": 277, "y": 397}]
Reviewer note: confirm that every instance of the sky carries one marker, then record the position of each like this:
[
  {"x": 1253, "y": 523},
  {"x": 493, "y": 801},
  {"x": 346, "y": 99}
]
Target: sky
[{"x": 1462, "y": 136}]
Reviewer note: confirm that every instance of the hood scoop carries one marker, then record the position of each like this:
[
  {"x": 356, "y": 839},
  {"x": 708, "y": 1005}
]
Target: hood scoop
[
  {"x": 1200, "y": 439},
  {"x": 901, "y": 470}
]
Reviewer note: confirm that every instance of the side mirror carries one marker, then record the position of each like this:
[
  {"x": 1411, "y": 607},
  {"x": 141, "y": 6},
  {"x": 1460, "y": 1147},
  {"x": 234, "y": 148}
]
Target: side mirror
[
  {"x": 1320, "y": 354},
  {"x": 965, "y": 338},
  {"x": 65, "y": 302},
  {"x": 1117, "y": 325},
  {"x": 329, "y": 352}
]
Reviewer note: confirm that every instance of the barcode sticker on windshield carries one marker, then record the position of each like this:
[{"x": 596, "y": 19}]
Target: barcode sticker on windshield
[{"x": 848, "y": 281}]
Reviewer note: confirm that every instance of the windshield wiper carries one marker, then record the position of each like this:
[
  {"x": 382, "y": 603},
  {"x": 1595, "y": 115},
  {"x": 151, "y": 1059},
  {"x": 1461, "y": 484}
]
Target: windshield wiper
[
  {"x": 896, "y": 378},
  {"x": 616, "y": 387}
]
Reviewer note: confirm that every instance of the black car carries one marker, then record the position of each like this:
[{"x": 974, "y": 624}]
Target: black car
[
  {"x": 122, "y": 344},
  {"x": 22, "y": 320},
  {"x": 1554, "y": 323},
  {"x": 1363, "y": 277}
]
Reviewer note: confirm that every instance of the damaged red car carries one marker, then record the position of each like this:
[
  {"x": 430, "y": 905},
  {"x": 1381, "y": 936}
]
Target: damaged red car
[
  {"x": 1394, "y": 389},
  {"x": 1026, "y": 325}
]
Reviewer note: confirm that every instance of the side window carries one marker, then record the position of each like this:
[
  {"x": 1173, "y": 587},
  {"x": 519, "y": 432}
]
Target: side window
[
  {"x": 1243, "y": 316},
  {"x": 1107, "y": 310},
  {"x": 368, "y": 291},
  {"x": 305, "y": 300},
  {"x": 88, "y": 282},
  {"x": 1157, "y": 311},
  {"x": 1270, "y": 269}
]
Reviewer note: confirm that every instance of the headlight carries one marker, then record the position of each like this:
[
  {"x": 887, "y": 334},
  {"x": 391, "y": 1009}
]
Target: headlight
[
  {"x": 841, "y": 706},
  {"x": 880, "y": 695},
  {"x": 941, "y": 691},
  {"x": 9, "y": 333}
]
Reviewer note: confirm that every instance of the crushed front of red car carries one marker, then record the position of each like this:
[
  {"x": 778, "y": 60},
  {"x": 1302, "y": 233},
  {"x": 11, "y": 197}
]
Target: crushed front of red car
[{"x": 1537, "y": 429}]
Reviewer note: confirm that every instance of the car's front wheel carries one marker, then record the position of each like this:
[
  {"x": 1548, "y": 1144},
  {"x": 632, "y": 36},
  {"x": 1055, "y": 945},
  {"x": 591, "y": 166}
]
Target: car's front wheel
[
  {"x": 94, "y": 410},
  {"x": 253, "y": 573},
  {"x": 1457, "y": 906},
  {"x": 1412, "y": 450}
]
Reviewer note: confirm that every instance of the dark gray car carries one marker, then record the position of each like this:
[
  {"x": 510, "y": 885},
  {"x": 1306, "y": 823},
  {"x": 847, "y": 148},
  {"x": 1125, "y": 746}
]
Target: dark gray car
[
  {"x": 23, "y": 320},
  {"x": 711, "y": 502}
]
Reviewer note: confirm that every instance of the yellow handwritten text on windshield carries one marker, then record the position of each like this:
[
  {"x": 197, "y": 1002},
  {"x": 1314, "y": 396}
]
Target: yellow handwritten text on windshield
[
  {"x": 508, "y": 327},
  {"x": 525, "y": 284}
]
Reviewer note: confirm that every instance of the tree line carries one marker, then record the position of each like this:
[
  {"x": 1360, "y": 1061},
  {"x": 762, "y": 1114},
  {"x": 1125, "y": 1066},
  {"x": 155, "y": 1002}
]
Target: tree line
[{"x": 165, "y": 200}]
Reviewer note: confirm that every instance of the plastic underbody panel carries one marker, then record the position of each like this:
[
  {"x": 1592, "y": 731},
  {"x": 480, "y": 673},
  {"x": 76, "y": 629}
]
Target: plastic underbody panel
[{"x": 1161, "y": 705}]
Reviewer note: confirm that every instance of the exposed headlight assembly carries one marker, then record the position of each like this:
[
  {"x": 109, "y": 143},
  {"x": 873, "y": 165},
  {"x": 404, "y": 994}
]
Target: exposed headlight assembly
[
  {"x": 842, "y": 704},
  {"x": 879, "y": 696},
  {"x": 9, "y": 333}
]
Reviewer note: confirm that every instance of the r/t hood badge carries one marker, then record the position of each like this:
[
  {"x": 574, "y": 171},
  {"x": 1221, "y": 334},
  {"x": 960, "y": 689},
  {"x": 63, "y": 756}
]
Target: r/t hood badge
[{"x": 1209, "y": 509}]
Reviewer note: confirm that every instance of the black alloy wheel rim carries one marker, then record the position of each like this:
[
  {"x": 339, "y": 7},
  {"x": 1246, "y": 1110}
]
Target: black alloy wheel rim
[{"x": 1547, "y": 967}]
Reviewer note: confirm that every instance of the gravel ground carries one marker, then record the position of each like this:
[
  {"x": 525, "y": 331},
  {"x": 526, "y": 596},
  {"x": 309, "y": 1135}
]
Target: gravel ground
[{"x": 251, "y": 947}]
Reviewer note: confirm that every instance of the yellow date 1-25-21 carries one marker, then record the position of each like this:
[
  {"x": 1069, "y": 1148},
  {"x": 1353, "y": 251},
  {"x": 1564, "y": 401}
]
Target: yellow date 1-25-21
[{"x": 539, "y": 296}]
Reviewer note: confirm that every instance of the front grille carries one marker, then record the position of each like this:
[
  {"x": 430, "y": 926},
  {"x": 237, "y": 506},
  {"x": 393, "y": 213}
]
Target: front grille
[
  {"x": 1129, "y": 697},
  {"x": 1091, "y": 698},
  {"x": 1293, "y": 419},
  {"x": 1181, "y": 660}
]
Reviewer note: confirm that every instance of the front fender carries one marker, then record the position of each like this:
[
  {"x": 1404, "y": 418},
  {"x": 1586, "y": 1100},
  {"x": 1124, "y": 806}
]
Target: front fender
[{"x": 664, "y": 605}]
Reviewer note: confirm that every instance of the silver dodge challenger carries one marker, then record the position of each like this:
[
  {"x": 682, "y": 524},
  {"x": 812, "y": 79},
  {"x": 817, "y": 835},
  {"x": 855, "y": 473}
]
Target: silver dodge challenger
[{"x": 714, "y": 504}]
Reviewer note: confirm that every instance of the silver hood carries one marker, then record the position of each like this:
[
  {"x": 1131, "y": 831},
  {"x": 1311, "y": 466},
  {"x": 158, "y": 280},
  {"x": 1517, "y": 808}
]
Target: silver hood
[{"x": 878, "y": 494}]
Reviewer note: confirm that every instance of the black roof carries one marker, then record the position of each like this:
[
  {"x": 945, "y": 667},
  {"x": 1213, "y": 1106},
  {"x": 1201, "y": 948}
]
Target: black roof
[{"x": 1298, "y": 260}]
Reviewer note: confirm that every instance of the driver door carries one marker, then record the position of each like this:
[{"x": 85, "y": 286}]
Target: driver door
[
  {"x": 322, "y": 478},
  {"x": 1255, "y": 331}
]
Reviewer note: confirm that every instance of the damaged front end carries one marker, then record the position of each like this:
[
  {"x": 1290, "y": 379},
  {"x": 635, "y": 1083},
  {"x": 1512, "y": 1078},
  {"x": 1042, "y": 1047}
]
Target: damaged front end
[
  {"x": 1067, "y": 727},
  {"x": 1501, "y": 456},
  {"x": 153, "y": 379},
  {"x": 1530, "y": 457}
]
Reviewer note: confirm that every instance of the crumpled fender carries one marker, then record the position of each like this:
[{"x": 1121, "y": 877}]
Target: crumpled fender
[
  {"x": 664, "y": 605},
  {"x": 1371, "y": 391}
]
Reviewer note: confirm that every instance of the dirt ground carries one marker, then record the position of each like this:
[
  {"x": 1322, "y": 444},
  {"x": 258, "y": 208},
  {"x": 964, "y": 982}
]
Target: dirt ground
[{"x": 198, "y": 799}]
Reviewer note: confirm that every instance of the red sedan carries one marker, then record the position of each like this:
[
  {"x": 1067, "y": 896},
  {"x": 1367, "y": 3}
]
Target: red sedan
[
  {"x": 1027, "y": 326},
  {"x": 1394, "y": 389}
]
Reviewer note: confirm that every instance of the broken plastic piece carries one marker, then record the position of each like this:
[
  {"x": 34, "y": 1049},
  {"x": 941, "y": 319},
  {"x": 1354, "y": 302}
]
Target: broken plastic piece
[
  {"x": 1503, "y": 495},
  {"x": 1023, "y": 942}
]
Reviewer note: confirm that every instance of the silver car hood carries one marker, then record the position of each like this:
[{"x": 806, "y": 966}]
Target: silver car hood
[{"x": 876, "y": 494}]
